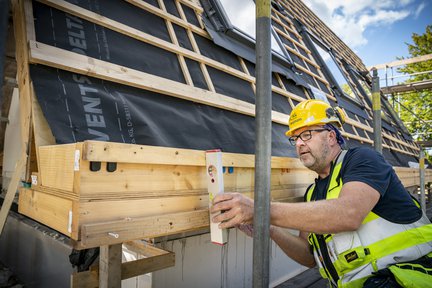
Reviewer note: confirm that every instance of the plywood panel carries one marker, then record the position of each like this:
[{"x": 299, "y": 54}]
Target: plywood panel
[
  {"x": 57, "y": 166},
  {"x": 48, "y": 209}
]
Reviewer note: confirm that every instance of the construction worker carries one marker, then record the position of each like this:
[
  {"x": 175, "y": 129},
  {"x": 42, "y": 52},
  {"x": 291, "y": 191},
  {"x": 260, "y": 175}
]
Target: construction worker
[{"x": 357, "y": 217}]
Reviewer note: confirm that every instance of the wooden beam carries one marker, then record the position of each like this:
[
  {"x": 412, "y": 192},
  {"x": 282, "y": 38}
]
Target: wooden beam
[
  {"x": 48, "y": 55},
  {"x": 147, "y": 265},
  {"x": 157, "y": 260},
  {"x": 42, "y": 132},
  {"x": 425, "y": 143},
  {"x": 109, "y": 233},
  {"x": 51, "y": 210},
  {"x": 408, "y": 87},
  {"x": 12, "y": 188},
  {"x": 110, "y": 264},
  {"x": 132, "y": 153},
  {"x": 144, "y": 248},
  {"x": 144, "y": 37},
  {"x": 141, "y": 36},
  {"x": 401, "y": 62},
  {"x": 85, "y": 279}
]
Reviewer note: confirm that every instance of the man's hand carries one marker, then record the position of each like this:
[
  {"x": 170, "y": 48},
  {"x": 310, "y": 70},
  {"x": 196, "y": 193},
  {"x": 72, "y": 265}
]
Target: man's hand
[{"x": 235, "y": 209}]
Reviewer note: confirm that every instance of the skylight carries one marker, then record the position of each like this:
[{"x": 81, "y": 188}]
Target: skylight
[
  {"x": 241, "y": 14},
  {"x": 336, "y": 72}
]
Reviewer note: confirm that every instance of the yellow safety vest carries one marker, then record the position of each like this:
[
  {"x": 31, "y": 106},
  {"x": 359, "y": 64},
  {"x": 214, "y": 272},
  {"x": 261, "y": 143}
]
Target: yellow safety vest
[{"x": 347, "y": 259}]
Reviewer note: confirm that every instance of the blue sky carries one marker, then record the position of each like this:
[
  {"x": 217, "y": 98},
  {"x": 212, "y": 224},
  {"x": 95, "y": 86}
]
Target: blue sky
[{"x": 376, "y": 30}]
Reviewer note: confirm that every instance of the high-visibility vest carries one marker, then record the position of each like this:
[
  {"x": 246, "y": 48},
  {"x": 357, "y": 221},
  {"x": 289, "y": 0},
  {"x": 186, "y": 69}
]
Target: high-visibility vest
[{"x": 347, "y": 259}]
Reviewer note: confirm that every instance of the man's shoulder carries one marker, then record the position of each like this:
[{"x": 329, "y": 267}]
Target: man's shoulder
[
  {"x": 361, "y": 152},
  {"x": 363, "y": 157}
]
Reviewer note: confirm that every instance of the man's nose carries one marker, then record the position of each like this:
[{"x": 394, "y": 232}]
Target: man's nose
[{"x": 299, "y": 142}]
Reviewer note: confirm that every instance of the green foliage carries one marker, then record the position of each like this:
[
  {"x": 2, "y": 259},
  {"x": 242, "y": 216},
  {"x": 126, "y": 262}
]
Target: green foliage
[{"x": 419, "y": 103}]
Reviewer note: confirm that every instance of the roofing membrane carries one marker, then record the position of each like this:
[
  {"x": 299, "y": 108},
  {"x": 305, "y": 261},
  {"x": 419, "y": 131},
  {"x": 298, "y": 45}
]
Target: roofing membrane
[{"x": 179, "y": 44}]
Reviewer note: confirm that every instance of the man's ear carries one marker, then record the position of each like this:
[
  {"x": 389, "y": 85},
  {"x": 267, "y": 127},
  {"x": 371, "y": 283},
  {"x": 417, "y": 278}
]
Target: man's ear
[{"x": 333, "y": 137}]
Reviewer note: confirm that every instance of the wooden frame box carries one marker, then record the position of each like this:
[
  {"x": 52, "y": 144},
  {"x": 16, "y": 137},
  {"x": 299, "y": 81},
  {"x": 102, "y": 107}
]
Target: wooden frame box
[{"x": 85, "y": 186}]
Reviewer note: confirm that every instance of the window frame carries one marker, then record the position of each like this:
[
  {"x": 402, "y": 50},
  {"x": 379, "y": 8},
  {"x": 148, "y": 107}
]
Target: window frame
[
  {"x": 233, "y": 31},
  {"x": 354, "y": 105}
]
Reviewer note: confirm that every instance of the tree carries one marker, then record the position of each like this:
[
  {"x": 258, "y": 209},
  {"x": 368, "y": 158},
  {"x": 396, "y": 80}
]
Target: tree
[{"x": 418, "y": 103}]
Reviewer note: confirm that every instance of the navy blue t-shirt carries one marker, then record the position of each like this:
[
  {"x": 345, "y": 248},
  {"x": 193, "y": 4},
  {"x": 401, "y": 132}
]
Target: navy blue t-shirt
[{"x": 367, "y": 166}]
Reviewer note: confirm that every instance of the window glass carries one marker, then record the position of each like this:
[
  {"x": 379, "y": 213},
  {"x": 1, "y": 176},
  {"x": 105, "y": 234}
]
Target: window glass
[
  {"x": 318, "y": 94},
  {"x": 241, "y": 14},
  {"x": 335, "y": 70}
]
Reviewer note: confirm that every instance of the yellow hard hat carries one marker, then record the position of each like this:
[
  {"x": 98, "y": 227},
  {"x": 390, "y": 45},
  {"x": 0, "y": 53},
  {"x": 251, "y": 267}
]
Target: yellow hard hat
[{"x": 314, "y": 112}]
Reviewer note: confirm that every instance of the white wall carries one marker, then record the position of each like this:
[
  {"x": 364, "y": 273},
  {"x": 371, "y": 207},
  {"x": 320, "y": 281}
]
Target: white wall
[{"x": 200, "y": 263}]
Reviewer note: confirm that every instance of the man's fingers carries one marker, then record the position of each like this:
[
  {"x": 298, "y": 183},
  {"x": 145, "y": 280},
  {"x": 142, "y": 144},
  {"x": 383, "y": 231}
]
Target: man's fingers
[
  {"x": 229, "y": 218},
  {"x": 222, "y": 203},
  {"x": 223, "y": 197},
  {"x": 225, "y": 215}
]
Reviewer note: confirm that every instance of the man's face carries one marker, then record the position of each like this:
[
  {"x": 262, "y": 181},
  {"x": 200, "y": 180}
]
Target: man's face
[{"x": 312, "y": 147}]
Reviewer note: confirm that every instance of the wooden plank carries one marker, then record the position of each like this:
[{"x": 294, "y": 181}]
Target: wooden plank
[
  {"x": 401, "y": 62},
  {"x": 194, "y": 4},
  {"x": 112, "y": 232},
  {"x": 20, "y": 12},
  {"x": 386, "y": 135},
  {"x": 147, "y": 265},
  {"x": 56, "y": 192},
  {"x": 119, "y": 27},
  {"x": 144, "y": 248},
  {"x": 130, "y": 211},
  {"x": 57, "y": 166},
  {"x": 110, "y": 259},
  {"x": 42, "y": 132},
  {"x": 163, "y": 14},
  {"x": 174, "y": 40},
  {"x": 73, "y": 62},
  {"x": 90, "y": 279},
  {"x": 11, "y": 191},
  {"x": 144, "y": 37},
  {"x": 85, "y": 279},
  {"x": 408, "y": 87},
  {"x": 50, "y": 210},
  {"x": 142, "y": 180},
  {"x": 132, "y": 153},
  {"x": 425, "y": 143}
]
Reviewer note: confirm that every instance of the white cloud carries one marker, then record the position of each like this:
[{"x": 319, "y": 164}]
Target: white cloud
[
  {"x": 349, "y": 19},
  {"x": 419, "y": 10}
]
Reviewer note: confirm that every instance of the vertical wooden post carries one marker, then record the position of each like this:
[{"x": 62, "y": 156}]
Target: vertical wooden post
[
  {"x": 110, "y": 260},
  {"x": 10, "y": 194}
]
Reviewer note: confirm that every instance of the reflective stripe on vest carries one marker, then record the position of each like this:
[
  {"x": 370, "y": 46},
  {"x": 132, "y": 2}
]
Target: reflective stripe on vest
[{"x": 376, "y": 244}]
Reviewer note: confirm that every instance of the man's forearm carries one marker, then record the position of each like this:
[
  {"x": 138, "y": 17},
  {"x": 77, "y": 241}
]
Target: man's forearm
[{"x": 294, "y": 247}]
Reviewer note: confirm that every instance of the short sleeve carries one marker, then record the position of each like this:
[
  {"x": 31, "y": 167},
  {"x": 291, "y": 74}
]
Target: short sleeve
[{"x": 367, "y": 166}]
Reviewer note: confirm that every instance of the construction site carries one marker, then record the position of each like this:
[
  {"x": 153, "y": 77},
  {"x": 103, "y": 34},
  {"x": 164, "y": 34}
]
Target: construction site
[{"x": 114, "y": 113}]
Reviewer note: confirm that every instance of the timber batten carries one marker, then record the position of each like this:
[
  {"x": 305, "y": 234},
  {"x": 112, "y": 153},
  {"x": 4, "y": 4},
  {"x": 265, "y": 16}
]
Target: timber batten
[{"x": 287, "y": 28}]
